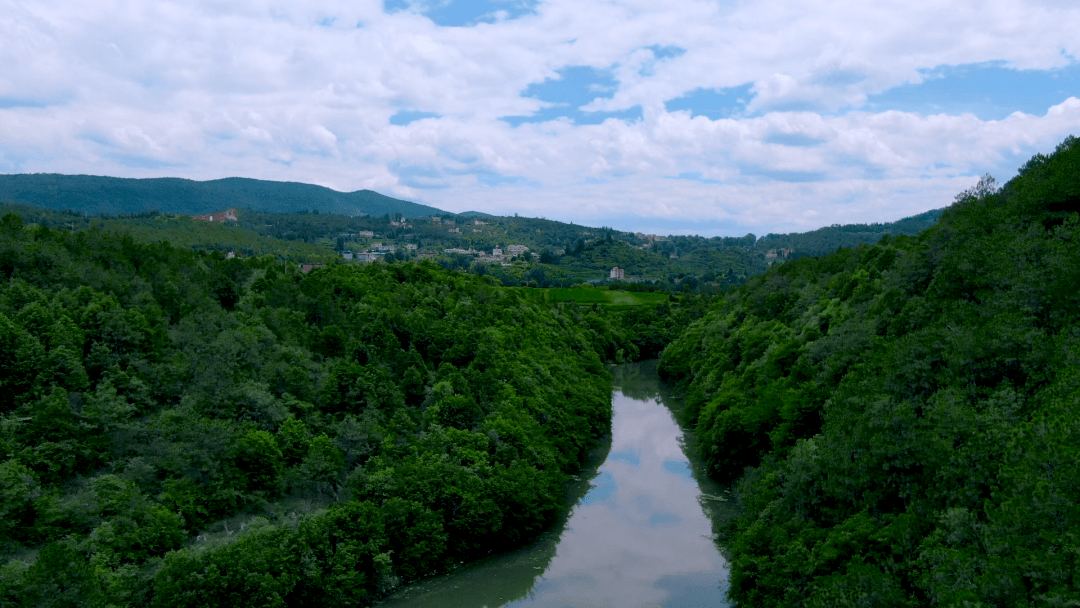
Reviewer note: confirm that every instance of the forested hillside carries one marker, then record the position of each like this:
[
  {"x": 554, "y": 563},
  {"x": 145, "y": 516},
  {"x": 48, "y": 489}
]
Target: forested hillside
[
  {"x": 98, "y": 194},
  {"x": 824, "y": 241},
  {"x": 910, "y": 411},
  {"x": 181, "y": 429}
]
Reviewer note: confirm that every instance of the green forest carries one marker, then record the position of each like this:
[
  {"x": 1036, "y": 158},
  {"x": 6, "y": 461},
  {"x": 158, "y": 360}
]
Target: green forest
[
  {"x": 898, "y": 418},
  {"x": 98, "y": 194},
  {"x": 182, "y": 429},
  {"x": 308, "y": 223},
  {"x": 902, "y": 420}
]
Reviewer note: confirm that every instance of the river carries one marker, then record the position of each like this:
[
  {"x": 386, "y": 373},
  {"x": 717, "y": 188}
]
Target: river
[{"x": 639, "y": 532}]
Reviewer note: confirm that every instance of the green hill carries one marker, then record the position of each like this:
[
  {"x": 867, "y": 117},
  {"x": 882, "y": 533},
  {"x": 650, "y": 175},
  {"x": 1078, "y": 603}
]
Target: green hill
[
  {"x": 828, "y": 239},
  {"x": 903, "y": 417},
  {"x": 96, "y": 194},
  {"x": 180, "y": 428}
]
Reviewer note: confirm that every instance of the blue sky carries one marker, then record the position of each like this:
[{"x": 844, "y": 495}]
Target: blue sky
[{"x": 706, "y": 116}]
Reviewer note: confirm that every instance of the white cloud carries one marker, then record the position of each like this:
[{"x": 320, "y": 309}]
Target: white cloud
[{"x": 304, "y": 92}]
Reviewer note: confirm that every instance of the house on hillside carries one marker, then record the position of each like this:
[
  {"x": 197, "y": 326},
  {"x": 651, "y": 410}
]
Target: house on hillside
[
  {"x": 229, "y": 215},
  {"x": 517, "y": 249},
  {"x": 347, "y": 254},
  {"x": 617, "y": 273}
]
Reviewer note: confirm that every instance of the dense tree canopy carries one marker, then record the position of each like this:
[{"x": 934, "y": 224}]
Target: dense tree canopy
[
  {"x": 182, "y": 429},
  {"x": 909, "y": 411}
]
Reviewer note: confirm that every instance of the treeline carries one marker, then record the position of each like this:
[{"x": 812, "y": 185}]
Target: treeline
[
  {"x": 904, "y": 418},
  {"x": 182, "y": 429},
  {"x": 98, "y": 194},
  {"x": 824, "y": 241},
  {"x": 178, "y": 230}
]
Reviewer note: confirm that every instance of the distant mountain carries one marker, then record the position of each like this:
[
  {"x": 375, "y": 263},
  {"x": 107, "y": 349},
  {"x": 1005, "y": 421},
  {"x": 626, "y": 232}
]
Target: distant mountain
[
  {"x": 95, "y": 194},
  {"x": 824, "y": 241}
]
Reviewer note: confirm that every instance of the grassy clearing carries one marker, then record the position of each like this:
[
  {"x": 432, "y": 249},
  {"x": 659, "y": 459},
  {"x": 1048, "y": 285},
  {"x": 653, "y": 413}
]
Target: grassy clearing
[{"x": 603, "y": 297}]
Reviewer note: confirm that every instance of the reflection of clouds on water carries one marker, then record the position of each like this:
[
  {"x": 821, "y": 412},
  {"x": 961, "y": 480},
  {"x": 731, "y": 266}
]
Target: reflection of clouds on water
[
  {"x": 603, "y": 488},
  {"x": 639, "y": 537},
  {"x": 627, "y": 456},
  {"x": 679, "y": 467}
]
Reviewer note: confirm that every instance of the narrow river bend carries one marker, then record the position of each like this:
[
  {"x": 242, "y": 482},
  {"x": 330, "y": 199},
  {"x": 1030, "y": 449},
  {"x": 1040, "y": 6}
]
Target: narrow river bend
[{"x": 639, "y": 532}]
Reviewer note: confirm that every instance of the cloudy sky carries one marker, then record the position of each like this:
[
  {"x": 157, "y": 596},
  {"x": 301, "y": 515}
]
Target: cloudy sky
[{"x": 703, "y": 116}]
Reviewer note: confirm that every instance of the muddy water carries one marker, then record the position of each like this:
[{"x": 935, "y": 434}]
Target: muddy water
[{"x": 639, "y": 532}]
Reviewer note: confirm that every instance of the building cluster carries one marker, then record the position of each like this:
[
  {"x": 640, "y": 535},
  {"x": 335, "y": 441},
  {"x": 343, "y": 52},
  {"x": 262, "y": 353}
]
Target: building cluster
[
  {"x": 618, "y": 273},
  {"x": 229, "y": 215},
  {"x": 496, "y": 255}
]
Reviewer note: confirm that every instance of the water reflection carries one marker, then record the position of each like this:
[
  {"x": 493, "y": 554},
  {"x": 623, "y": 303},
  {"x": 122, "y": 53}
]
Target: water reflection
[{"x": 639, "y": 534}]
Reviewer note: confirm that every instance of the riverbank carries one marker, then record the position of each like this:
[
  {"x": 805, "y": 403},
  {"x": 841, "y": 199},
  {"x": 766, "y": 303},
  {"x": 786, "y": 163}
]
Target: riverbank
[{"x": 638, "y": 530}]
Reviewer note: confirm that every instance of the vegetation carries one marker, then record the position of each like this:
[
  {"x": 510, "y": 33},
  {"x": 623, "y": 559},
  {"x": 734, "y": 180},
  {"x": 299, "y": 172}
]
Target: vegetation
[
  {"x": 96, "y": 195},
  {"x": 180, "y": 231},
  {"x": 560, "y": 254},
  {"x": 605, "y": 297},
  {"x": 824, "y": 241},
  {"x": 182, "y": 429},
  {"x": 905, "y": 417}
]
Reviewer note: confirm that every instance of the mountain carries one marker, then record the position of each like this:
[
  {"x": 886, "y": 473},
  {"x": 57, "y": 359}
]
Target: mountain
[
  {"x": 828, "y": 239},
  {"x": 96, "y": 194}
]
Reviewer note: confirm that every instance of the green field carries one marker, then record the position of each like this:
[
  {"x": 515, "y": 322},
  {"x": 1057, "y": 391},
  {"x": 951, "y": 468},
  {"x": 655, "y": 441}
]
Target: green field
[{"x": 604, "y": 297}]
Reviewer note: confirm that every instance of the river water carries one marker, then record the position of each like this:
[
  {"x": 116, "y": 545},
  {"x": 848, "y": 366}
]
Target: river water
[{"x": 639, "y": 533}]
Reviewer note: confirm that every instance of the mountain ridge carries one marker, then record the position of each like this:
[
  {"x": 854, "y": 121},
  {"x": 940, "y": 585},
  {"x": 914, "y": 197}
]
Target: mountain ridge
[{"x": 95, "y": 194}]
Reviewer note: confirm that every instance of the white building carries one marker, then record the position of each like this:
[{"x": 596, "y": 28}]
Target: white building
[
  {"x": 517, "y": 249},
  {"x": 617, "y": 273},
  {"x": 347, "y": 254},
  {"x": 496, "y": 251}
]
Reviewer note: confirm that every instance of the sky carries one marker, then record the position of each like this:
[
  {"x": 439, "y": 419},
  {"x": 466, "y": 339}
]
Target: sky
[{"x": 710, "y": 117}]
